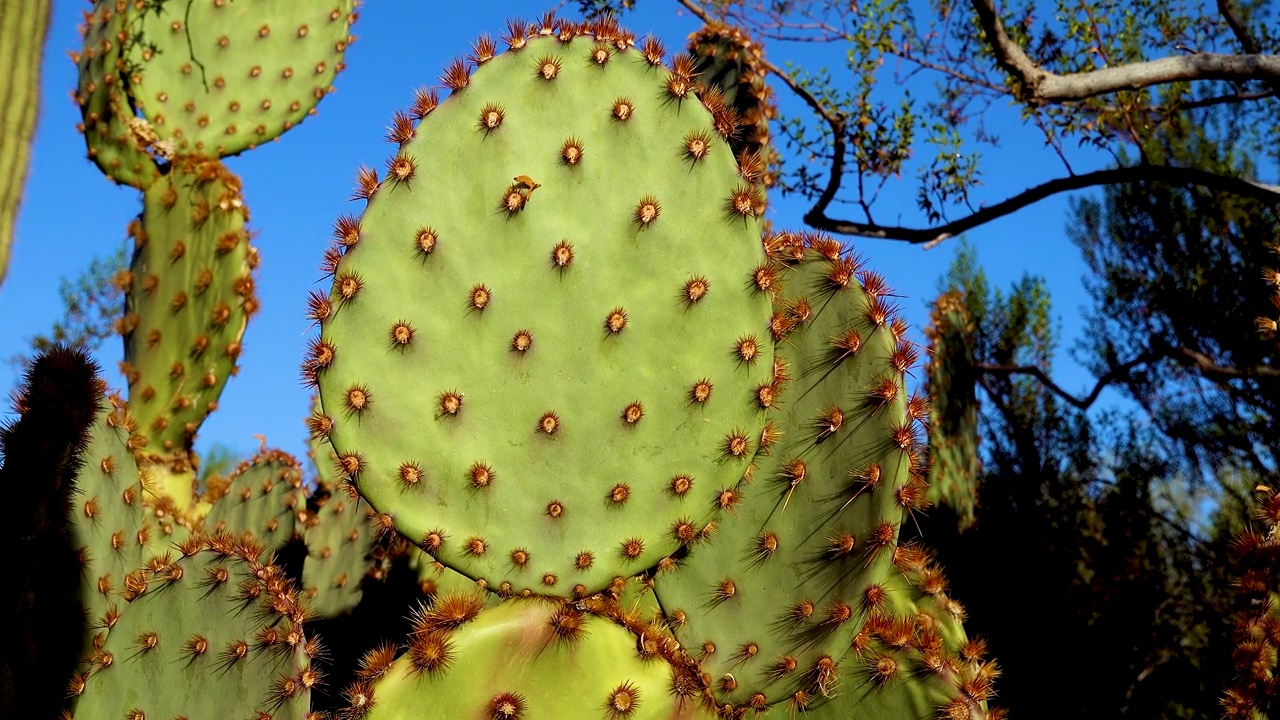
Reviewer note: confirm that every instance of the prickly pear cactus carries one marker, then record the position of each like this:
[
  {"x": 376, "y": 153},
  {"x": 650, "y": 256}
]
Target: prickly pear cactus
[
  {"x": 214, "y": 633},
  {"x": 339, "y": 541},
  {"x": 348, "y": 543},
  {"x": 190, "y": 295},
  {"x": 912, "y": 658},
  {"x": 771, "y": 600},
  {"x": 730, "y": 62},
  {"x": 635, "y": 460},
  {"x": 262, "y": 499},
  {"x": 554, "y": 264},
  {"x": 109, "y": 523},
  {"x": 953, "y": 431},
  {"x": 216, "y": 77}
]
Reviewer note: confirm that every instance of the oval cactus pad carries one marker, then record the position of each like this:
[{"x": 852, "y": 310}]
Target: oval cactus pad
[
  {"x": 216, "y": 78},
  {"x": 541, "y": 350}
]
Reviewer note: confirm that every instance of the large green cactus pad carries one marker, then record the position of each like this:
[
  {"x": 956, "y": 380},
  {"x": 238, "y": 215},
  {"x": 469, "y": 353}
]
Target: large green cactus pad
[
  {"x": 528, "y": 660},
  {"x": 953, "y": 431},
  {"x": 190, "y": 295},
  {"x": 216, "y": 77},
  {"x": 514, "y": 350},
  {"x": 772, "y": 599},
  {"x": 216, "y": 634}
]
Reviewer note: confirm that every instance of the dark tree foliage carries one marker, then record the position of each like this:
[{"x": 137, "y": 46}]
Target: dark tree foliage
[
  {"x": 1177, "y": 277},
  {"x": 1080, "y": 572}
]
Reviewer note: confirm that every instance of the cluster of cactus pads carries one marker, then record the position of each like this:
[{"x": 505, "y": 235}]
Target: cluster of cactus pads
[
  {"x": 636, "y": 457},
  {"x": 672, "y": 454}
]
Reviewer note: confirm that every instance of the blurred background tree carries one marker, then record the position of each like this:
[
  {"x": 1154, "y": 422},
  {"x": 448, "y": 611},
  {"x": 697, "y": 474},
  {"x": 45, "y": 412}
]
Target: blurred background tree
[{"x": 1112, "y": 529}]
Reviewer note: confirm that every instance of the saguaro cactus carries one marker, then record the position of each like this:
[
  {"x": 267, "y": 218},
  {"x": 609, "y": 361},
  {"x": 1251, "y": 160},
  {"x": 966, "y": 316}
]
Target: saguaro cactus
[{"x": 23, "y": 27}]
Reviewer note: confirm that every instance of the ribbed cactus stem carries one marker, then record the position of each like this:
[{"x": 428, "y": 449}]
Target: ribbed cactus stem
[{"x": 23, "y": 27}]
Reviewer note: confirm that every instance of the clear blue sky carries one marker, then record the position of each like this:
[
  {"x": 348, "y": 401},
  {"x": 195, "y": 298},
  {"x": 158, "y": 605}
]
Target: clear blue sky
[{"x": 297, "y": 187}]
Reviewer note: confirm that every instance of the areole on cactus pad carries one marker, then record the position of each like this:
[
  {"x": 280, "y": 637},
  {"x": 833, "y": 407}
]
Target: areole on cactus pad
[{"x": 541, "y": 351}]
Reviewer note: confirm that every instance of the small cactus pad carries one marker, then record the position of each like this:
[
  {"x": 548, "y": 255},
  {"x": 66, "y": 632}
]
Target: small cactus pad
[
  {"x": 912, "y": 658},
  {"x": 118, "y": 141},
  {"x": 953, "y": 430},
  {"x": 771, "y": 599},
  {"x": 216, "y": 634},
  {"x": 524, "y": 660},
  {"x": 729, "y": 61},
  {"x": 190, "y": 295},
  {"x": 541, "y": 347},
  {"x": 339, "y": 540},
  {"x": 216, "y": 77},
  {"x": 263, "y": 499},
  {"x": 22, "y": 34}
]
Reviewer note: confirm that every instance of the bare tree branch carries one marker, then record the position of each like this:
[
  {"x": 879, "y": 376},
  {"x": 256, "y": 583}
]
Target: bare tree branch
[
  {"x": 1041, "y": 87},
  {"x": 817, "y": 218},
  {"x": 1184, "y": 355},
  {"x": 1213, "y": 371},
  {"x": 1246, "y": 39},
  {"x": 1112, "y": 375},
  {"x": 1236, "y": 97},
  {"x": 1012, "y": 58}
]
